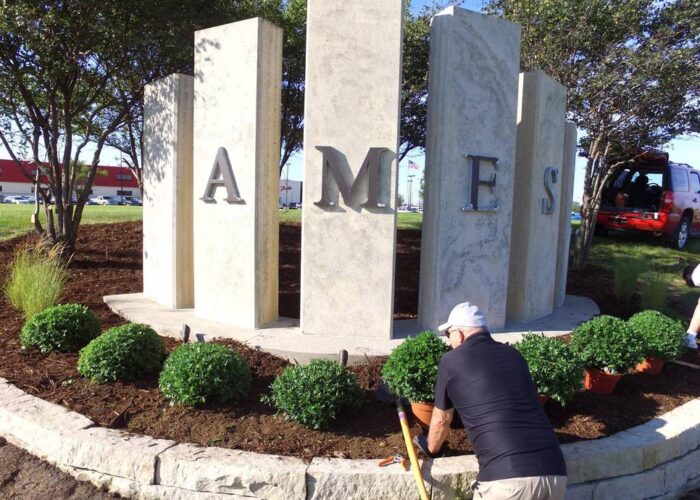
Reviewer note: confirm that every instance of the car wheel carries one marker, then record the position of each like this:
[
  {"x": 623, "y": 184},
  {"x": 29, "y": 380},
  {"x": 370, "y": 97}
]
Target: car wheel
[{"x": 682, "y": 234}]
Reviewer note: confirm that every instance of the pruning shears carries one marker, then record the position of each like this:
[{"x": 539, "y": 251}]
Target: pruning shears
[{"x": 395, "y": 459}]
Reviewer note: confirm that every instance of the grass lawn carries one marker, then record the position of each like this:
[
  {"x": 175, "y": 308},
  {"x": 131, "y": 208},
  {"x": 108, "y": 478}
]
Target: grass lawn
[
  {"x": 15, "y": 220},
  {"x": 407, "y": 220}
]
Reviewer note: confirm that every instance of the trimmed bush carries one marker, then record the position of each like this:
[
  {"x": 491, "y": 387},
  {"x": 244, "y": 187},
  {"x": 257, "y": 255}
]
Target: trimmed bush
[
  {"x": 35, "y": 279},
  {"x": 64, "y": 328},
  {"x": 315, "y": 394},
  {"x": 662, "y": 337},
  {"x": 202, "y": 373},
  {"x": 126, "y": 352},
  {"x": 556, "y": 370},
  {"x": 607, "y": 344},
  {"x": 411, "y": 370}
]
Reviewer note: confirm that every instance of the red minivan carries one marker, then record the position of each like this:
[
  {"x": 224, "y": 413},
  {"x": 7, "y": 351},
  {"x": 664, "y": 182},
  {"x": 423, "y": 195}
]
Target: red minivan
[{"x": 653, "y": 195}]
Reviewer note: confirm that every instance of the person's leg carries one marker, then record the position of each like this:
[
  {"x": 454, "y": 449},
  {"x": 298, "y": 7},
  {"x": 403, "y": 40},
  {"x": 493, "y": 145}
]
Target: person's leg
[
  {"x": 694, "y": 328},
  {"x": 555, "y": 488}
]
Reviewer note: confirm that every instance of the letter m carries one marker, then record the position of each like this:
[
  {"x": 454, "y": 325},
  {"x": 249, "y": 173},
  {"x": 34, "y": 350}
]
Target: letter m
[{"x": 342, "y": 176}]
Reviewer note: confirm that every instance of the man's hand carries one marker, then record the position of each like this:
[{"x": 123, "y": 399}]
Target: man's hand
[{"x": 421, "y": 442}]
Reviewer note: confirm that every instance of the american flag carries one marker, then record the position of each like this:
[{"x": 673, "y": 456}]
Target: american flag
[{"x": 413, "y": 165}]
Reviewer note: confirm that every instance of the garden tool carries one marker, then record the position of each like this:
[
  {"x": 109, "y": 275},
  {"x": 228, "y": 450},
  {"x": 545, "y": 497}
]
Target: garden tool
[
  {"x": 395, "y": 459},
  {"x": 411, "y": 451}
]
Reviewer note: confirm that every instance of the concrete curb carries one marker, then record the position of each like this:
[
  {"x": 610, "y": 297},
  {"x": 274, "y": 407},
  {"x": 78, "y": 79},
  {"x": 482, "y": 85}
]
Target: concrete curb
[{"x": 657, "y": 460}]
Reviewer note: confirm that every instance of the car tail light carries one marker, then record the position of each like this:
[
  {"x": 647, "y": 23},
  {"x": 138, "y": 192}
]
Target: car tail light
[{"x": 668, "y": 201}]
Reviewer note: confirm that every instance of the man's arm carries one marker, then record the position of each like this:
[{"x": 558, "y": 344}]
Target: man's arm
[{"x": 439, "y": 428}]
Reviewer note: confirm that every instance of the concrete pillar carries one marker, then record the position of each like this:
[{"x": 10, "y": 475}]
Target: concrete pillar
[
  {"x": 567, "y": 199},
  {"x": 238, "y": 74},
  {"x": 351, "y": 127},
  {"x": 168, "y": 275},
  {"x": 536, "y": 201},
  {"x": 473, "y": 91}
]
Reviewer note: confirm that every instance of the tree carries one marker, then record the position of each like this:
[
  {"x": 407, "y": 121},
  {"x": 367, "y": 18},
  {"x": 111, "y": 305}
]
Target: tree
[
  {"x": 633, "y": 75},
  {"x": 73, "y": 73}
]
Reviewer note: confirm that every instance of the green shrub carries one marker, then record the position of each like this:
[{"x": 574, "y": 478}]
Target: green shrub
[
  {"x": 411, "y": 370},
  {"x": 126, "y": 352},
  {"x": 654, "y": 291},
  {"x": 556, "y": 370},
  {"x": 202, "y": 372},
  {"x": 607, "y": 343},
  {"x": 35, "y": 279},
  {"x": 64, "y": 328},
  {"x": 626, "y": 275},
  {"x": 661, "y": 336},
  {"x": 315, "y": 394}
]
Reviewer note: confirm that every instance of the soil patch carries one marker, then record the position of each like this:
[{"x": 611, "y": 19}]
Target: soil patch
[
  {"x": 25, "y": 476},
  {"x": 109, "y": 262}
]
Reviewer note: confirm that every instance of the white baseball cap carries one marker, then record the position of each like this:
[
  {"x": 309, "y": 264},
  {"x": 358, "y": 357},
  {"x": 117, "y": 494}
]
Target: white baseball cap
[{"x": 464, "y": 315}]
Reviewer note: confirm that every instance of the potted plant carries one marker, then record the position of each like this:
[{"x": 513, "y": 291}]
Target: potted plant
[
  {"x": 608, "y": 349},
  {"x": 556, "y": 370},
  {"x": 662, "y": 339},
  {"x": 411, "y": 372}
]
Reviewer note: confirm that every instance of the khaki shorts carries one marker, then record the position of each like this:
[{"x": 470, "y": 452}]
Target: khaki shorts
[{"x": 521, "y": 488}]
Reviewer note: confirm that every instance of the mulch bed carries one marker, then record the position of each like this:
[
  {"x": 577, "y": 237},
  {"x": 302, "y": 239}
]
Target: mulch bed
[{"x": 109, "y": 262}]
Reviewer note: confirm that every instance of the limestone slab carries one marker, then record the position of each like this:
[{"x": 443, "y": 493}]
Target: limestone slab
[
  {"x": 329, "y": 478},
  {"x": 168, "y": 275},
  {"x": 566, "y": 203},
  {"x": 538, "y": 173},
  {"x": 473, "y": 89},
  {"x": 451, "y": 477},
  {"x": 678, "y": 473},
  {"x": 603, "y": 458},
  {"x": 352, "y": 101},
  {"x": 634, "y": 487},
  {"x": 238, "y": 73},
  {"x": 112, "y": 452},
  {"x": 232, "y": 472}
]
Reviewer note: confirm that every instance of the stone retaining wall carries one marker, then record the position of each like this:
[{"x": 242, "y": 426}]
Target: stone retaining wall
[{"x": 657, "y": 460}]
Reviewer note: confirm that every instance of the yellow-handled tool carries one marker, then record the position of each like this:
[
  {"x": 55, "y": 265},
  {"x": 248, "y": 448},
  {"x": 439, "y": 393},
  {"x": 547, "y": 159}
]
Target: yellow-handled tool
[{"x": 411, "y": 452}]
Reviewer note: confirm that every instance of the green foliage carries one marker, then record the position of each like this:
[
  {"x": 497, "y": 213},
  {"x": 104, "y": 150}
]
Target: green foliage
[
  {"x": 608, "y": 344},
  {"x": 315, "y": 394},
  {"x": 627, "y": 272},
  {"x": 661, "y": 336},
  {"x": 202, "y": 373},
  {"x": 654, "y": 290},
  {"x": 556, "y": 370},
  {"x": 64, "y": 328},
  {"x": 35, "y": 279},
  {"x": 411, "y": 370},
  {"x": 126, "y": 352}
]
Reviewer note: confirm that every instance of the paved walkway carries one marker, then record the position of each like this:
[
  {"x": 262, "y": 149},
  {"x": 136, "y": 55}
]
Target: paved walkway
[{"x": 25, "y": 477}]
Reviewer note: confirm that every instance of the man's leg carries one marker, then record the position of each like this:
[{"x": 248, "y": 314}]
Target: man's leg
[
  {"x": 694, "y": 328},
  {"x": 523, "y": 488}
]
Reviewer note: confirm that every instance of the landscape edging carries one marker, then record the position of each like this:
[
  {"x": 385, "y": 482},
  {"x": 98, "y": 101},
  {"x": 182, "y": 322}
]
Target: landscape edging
[{"x": 655, "y": 460}]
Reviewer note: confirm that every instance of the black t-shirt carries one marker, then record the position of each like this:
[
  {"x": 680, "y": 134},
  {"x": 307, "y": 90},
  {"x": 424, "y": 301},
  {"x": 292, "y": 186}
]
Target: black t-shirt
[{"x": 490, "y": 387}]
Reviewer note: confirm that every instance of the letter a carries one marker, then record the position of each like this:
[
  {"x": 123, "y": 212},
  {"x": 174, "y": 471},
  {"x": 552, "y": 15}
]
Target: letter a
[{"x": 222, "y": 168}]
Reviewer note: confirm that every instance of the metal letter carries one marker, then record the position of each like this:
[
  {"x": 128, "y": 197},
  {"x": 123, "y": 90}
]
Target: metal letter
[
  {"x": 477, "y": 181},
  {"x": 343, "y": 178},
  {"x": 222, "y": 168},
  {"x": 551, "y": 175}
]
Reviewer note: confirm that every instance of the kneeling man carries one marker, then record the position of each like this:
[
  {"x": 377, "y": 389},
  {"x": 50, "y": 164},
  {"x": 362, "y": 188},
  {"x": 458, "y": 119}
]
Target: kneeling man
[{"x": 489, "y": 385}]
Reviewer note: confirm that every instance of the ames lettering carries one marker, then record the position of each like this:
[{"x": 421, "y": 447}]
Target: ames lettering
[
  {"x": 477, "y": 181},
  {"x": 551, "y": 176},
  {"x": 222, "y": 176}
]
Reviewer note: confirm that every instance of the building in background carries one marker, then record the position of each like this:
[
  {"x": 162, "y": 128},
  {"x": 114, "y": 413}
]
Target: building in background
[
  {"x": 109, "y": 181},
  {"x": 290, "y": 193}
]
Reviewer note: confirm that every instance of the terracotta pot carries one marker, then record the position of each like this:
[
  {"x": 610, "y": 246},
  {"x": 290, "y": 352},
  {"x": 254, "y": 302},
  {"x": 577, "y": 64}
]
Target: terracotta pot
[
  {"x": 600, "y": 382},
  {"x": 543, "y": 398},
  {"x": 423, "y": 412},
  {"x": 652, "y": 366}
]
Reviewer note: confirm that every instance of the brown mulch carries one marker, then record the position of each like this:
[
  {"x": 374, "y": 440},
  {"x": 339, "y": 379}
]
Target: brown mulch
[{"x": 109, "y": 261}]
